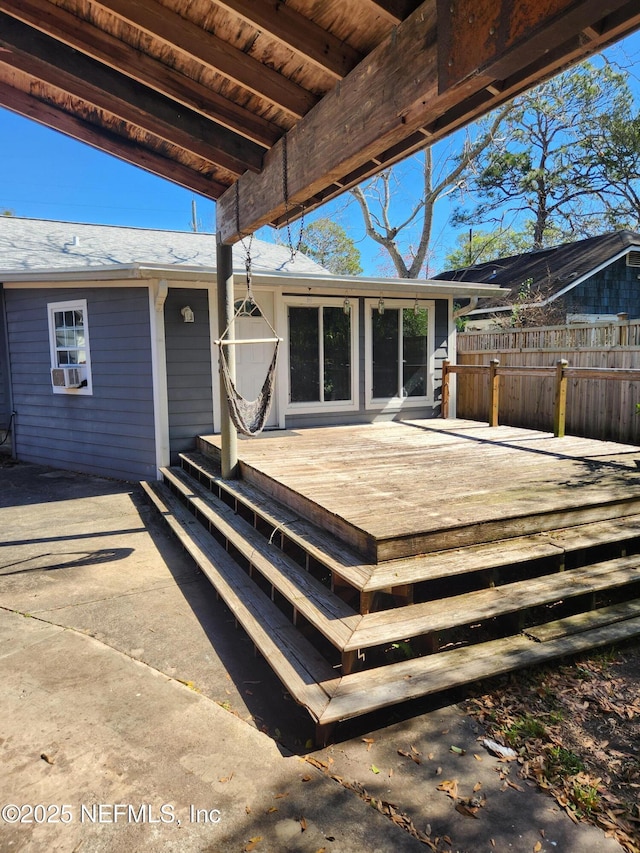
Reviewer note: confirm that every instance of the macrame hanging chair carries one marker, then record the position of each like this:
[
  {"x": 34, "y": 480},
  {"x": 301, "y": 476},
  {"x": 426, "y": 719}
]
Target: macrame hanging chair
[{"x": 248, "y": 416}]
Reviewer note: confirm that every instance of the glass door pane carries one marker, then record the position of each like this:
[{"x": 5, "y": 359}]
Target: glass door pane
[
  {"x": 304, "y": 355},
  {"x": 337, "y": 354},
  {"x": 414, "y": 352},
  {"x": 385, "y": 334}
]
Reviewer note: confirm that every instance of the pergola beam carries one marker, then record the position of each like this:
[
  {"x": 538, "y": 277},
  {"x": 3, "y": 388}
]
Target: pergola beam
[{"x": 380, "y": 106}]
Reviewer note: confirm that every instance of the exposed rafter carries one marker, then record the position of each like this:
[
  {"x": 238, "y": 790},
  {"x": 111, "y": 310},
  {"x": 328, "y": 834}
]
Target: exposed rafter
[
  {"x": 163, "y": 165},
  {"x": 106, "y": 89},
  {"x": 181, "y": 34},
  {"x": 106, "y": 48},
  {"x": 298, "y": 33}
]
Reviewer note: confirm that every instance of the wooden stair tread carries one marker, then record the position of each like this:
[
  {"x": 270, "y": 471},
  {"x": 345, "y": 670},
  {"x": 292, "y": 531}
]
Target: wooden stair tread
[
  {"x": 416, "y": 619},
  {"x": 372, "y": 689},
  {"x": 474, "y": 558},
  {"x": 580, "y": 622},
  {"x": 320, "y": 545},
  {"x": 328, "y": 613},
  {"x": 458, "y": 561},
  {"x": 304, "y": 672}
]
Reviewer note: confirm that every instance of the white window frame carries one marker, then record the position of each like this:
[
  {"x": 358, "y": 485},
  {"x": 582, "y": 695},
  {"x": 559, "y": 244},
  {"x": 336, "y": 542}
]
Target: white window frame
[
  {"x": 396, "y": 403},
  {"x": 71, "y": 305},
  {"x": 309, "y": 407}
]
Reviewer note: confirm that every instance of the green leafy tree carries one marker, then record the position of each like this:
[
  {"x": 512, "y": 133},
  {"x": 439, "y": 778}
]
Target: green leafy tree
[
  {"x": 616, "y": 143},
  {"x": 478, "y": 247},
  {"x": 329, "y": 244},
  {"x": 546, "y": 168}
]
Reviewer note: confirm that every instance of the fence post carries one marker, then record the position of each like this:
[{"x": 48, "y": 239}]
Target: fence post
[
  {"x": 623, "y": 329},
  {"x": 494, "y": 392},
  {"x": 444, "y": 409},
  {"x": 560, "y": 405}
]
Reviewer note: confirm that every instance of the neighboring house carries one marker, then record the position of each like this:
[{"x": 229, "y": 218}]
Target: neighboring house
[
  {"x": 588, "y": 280},
  {"x": 110, "y": 339}
]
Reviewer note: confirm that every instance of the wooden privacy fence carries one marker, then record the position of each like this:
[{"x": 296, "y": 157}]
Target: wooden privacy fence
[
  {"x": 590, "y": 337},
  {"x": 596, "y": 407},
  {"x": 561, "y": 373}
]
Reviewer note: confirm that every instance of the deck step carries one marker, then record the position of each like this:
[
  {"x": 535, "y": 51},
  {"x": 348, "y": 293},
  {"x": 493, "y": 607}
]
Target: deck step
[
  {"x": 367, "y": 691},
  {"x": 319, "y": 544},
  {"x": 435, "y": 565},
  {"x": 269, "y": 566},
  {"x": 321, "y": 607},
  {"x": 580, "y": 622},
  {"x": 303, "y": 671},
  {"x": 479, "y": 606},
  {"x": 509, "y": 552}
]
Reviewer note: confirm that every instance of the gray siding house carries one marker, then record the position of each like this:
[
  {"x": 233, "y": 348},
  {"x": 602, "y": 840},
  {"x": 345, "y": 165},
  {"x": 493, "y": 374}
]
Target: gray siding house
[{"x": 108, "y": 353}]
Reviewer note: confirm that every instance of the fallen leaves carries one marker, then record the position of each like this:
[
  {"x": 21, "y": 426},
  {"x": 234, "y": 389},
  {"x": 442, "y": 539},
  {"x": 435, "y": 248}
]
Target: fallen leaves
[
  {"x": 413, "y": 754},
  {"x": 450, "y": 787},
  {"x": 385, "y": 808},
  {"x": 583, "y": 750}
]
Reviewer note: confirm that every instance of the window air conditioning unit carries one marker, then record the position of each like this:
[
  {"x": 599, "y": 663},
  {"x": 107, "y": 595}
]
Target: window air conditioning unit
[{"x": 67, "y": 377}]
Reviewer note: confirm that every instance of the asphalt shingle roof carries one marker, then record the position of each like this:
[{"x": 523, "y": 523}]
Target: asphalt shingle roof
[
  {"x": 39, "y": 245},
  {"x": 552, "y": 269}
]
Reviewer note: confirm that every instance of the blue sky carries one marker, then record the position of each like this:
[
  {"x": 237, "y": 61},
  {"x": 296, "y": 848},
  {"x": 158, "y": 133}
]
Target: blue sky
[{"x": 46, "y": 175}]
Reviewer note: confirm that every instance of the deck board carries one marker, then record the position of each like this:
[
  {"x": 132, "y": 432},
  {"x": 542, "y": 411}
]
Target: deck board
[{"x": 436, "y": 483}]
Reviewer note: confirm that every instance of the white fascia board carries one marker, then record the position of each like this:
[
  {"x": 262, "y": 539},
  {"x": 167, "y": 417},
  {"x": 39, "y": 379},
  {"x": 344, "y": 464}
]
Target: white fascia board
[
  {"x": 290, "y": 282},
  {"x": 389, "y": 287}
]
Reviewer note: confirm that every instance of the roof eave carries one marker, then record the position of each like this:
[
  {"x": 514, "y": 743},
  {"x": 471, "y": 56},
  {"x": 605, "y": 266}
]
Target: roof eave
[{"x": 295, "y": 282}]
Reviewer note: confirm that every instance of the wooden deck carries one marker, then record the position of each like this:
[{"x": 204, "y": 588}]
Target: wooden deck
[
  {"x": 393, "y": 490},
  {"x": 374, "y": 564}
]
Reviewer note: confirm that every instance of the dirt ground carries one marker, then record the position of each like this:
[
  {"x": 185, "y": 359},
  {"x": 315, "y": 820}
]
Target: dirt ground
[{"x": 576, "y": 731}]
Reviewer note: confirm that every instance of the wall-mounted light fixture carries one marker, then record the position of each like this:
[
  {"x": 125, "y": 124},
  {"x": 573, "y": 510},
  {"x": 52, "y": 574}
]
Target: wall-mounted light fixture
[
  {"x": 346, "y": 306},
  {"x": 187, "y": 315},
  {"x": 381, "y": 305},
  {"x": 416, "y": 307}
]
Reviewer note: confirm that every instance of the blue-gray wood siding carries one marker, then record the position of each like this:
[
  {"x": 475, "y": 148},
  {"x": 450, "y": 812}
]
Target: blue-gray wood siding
[
  {"x": 614, "y": 290},
  {"x": 364, "y": 415},
  {"x": 189, "y": 388},
  {"x": 5, "y": 393},
  {"x": 110, "y": 433}
]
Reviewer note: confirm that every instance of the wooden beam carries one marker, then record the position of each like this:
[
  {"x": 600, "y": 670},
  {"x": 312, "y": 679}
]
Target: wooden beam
[
  {"x": 109, "y": 142},
  {"x": 88, "y": 39},
  {"x": 379, "y": 106},
  {"x": 83, "y": 77},
  {"x": 351, "y": 125},
  {"x": 208, "y": 49},
  {"x": 290, "y": 28},
  {"x": 498, "y": 37}
]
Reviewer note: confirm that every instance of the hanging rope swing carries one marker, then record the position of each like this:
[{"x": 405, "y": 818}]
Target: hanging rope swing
[{"x": 248, "y": 416}]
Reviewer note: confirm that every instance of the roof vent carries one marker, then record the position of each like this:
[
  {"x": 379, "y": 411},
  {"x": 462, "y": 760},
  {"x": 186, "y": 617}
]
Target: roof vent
[{"x": 633, "y": 259}]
